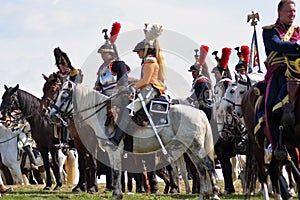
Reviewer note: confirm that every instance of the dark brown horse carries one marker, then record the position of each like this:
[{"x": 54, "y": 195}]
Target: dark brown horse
[
  {"x": 86, "y": 156},
  {"x": 42, "y": 131},
  {"x": 290, "y": 141}
]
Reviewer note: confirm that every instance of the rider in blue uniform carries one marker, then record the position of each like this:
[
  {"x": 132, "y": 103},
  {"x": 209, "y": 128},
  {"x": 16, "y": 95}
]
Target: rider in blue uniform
[
  {"x": 281, "y": 84},
  {"x": 201, "y": 88}
]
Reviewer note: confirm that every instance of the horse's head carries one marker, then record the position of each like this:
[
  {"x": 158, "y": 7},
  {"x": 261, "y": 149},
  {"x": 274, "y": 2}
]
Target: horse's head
[
  {"x": 227, "y": 104},
  {"x": 64, "y": 105},
  {"x": 51, "y": 89},
  {"x": 10, "y": 100}
]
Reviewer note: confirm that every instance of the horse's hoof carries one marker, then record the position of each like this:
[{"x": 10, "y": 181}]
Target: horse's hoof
[
  {"x": 228, "y": 191},
  {"x": 215, "y": 197},
  {"x": 173, "y": 191},
  {"x": 57, "y": 188},
  {"x": 46, "y": 188},
  {"x": 92, "y": 190},
  {"x": 118, "y": 196},
  {"x": 76, "y": 191}
]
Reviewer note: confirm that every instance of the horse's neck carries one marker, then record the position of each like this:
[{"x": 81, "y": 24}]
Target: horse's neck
[{"x": 29, "y": 104}]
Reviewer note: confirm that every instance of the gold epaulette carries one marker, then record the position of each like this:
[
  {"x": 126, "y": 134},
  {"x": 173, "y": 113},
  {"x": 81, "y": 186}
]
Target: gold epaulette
[
  {"x": 268, "y": 27},
  {"x": 150, "y": 60},
  {"x": 74, "y": 72}
]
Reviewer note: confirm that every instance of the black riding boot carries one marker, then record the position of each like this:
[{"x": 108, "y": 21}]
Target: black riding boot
[
  {"x": 116, "y": 139},
  {"x": 29, "y": 152}
]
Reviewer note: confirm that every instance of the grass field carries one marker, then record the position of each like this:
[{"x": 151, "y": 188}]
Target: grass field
[{"x": 35, "y": 192}]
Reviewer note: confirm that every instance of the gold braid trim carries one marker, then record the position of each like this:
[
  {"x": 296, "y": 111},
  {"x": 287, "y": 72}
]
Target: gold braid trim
[
  {"x": 258, "y": 125},
  {"x": 285, "y": 100}
]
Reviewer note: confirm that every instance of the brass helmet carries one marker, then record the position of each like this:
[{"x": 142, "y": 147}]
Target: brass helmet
[{"x": 107, "y": 46}]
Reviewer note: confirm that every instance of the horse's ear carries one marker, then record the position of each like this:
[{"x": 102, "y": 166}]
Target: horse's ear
[
  {"x": 5, "y": 87},
  {"x": 16, "y": 88},
  {"x": 70, "y": 84},
  {"x": 54, "y": 75},
  {"x": 45, "y": 77}
]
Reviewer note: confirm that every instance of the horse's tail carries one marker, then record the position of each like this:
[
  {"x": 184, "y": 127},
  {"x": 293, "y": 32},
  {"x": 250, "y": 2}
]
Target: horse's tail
[
  {"x": 71, "y": 168},
  {"x": 209, "y": 141},
  {"x": 251, "y": 170}
]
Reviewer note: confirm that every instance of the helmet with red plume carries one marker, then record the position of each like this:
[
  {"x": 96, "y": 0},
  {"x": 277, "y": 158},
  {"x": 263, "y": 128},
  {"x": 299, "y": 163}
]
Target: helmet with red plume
[
  {"x": 244, "y": 56},
  {"x": 222, "y": 65},
  {"x": 108, "y": 46}
]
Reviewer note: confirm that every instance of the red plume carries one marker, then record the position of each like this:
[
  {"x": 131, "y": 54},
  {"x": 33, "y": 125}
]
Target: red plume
[
  {"x": 225, "y": 57},
  {"x": 245, "y": 53},
  {"x": 114, "y": 32},
  {"x": 203, "y": 53}
]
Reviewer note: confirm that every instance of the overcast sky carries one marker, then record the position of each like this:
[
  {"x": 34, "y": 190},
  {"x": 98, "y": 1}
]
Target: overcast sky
[{"x": 31, "y": 29}]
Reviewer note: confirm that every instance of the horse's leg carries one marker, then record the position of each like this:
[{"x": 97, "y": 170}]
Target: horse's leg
[
  {"x": 195, "y": 175},
  {"x": 202, "y": 167},
  {"x": 139, "y": 180},
  {"x": 116, "y": 165},
  {"x": 130, "y": 176},
  {"x": 123, "y": 181},
  {"x": 81, "y": 185},
  {"x": 164, "y": 176},
  {"x": 45, "y": 157},
  {"x": 55, "y": 169},
  {"x": 274, "y": 170},
  {"x": 37, "y": 175},
  {"x": 92, "y": 186},
  {"x": 174, "y": 180},
  {"x": 224, "y": 152},
  {"x": 180, "y": 162}
]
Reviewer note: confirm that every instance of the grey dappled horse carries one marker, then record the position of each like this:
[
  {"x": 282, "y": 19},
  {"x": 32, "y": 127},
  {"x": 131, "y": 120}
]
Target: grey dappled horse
[{"x": 188, "y": 132}]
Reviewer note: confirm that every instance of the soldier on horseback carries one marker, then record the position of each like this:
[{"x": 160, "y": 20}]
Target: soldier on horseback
[
  {"x": 112, "y": 76},
  {"x": 20, "y": 126},
  {"x": 241, "y": 68},
  {"x": 66, "y": 72},
  {"x": 282, "y": 47},
  {"x": 222, "y": 75},
  {"x": 201, "y": 88}
]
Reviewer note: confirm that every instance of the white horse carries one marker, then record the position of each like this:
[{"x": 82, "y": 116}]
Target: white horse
[
  {"x": 10, "y": 154},
  {"x": 188, "y": 131},
  {"x": 233, "y": 98}
]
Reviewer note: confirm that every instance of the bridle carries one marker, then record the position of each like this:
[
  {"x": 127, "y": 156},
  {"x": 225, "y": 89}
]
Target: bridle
[
  {"x": 7, "y": 108},
  {"x": 66, "y": 101},
  {"x": 50, "y": 101}
]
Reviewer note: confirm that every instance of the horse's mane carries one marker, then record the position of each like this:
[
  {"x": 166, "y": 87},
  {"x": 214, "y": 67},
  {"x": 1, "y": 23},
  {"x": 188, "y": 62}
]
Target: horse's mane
[
  {"x": 32, "y": 102},
  {"x": 89, "y": 106}
]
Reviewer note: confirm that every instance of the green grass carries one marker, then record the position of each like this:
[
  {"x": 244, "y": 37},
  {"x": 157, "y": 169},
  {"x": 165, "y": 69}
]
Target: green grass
[{"x": 35, "y": 192}]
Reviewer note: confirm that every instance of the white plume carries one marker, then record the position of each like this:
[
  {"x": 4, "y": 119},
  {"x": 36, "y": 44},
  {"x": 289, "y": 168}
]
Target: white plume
[{"x": 154, "y": 32}]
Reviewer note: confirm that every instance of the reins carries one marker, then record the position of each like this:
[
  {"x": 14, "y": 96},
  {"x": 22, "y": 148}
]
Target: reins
[{"x": 10, "y": 138}]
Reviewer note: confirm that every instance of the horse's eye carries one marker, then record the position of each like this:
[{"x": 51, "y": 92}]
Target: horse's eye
[
  {"x": 242, "y": 92},
  {"x": 232, "y": 91}
]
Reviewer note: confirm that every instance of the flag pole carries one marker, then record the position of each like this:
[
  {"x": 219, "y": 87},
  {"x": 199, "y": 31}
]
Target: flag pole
[{"x": 254, "y": 17}]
